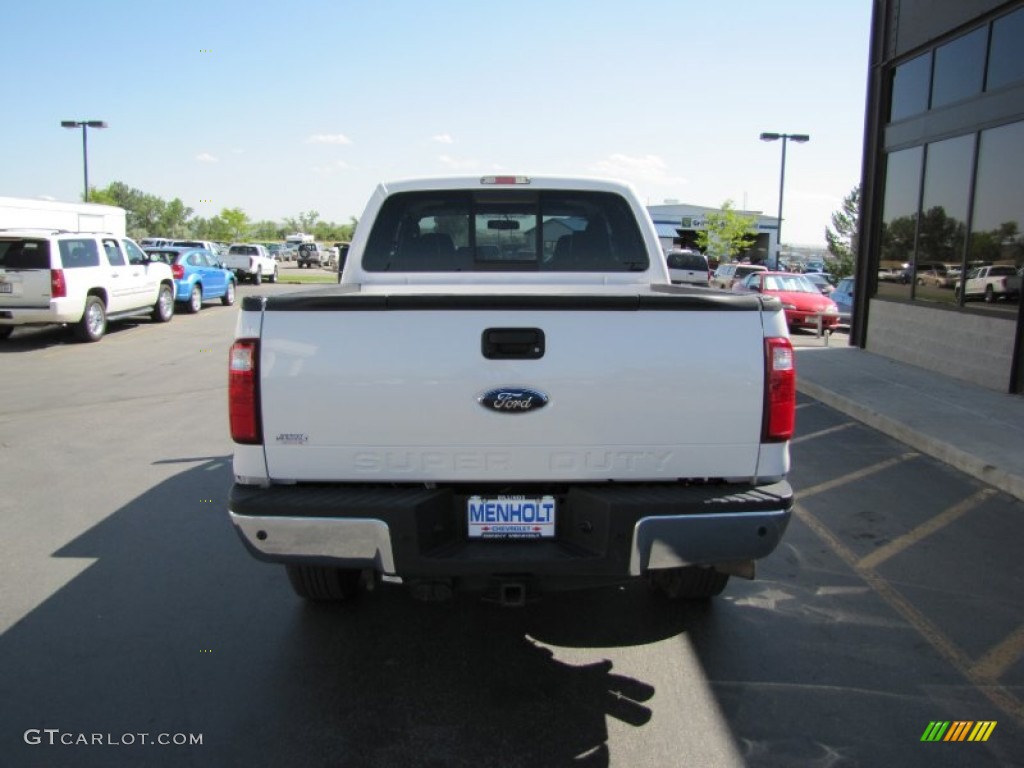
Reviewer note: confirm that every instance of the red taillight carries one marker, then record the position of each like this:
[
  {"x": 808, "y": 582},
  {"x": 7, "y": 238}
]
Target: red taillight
[
  {"x": 243, "y": 392},
  {"x": 177, "y": 271},
  {"x": 779, "y": 390},
  {"x": 58, "y": 288}
]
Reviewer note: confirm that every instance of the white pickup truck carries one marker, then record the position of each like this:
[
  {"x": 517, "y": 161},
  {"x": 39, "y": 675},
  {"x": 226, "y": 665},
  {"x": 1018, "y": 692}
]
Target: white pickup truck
[
  {"x": 251, "y": 261},
  {"x": 506, "y": 394}
]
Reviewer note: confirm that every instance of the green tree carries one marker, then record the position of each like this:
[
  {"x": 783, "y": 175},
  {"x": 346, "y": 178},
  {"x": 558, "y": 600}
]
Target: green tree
[
  {"x": 305, "y": 222},
  {"x": 266, "y": 230},
  {"x": 235, "y": 224},
  {"x": 143, "y": 211},
  {"x": 174, "y": 222},
  {"x": 727, "y": 233},
  {"x": 842, "y": 235}
]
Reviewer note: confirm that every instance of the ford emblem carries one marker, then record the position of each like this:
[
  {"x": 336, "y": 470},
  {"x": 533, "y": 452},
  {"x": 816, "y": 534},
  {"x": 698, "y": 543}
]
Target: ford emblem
[{"x": 509, "y": 400}]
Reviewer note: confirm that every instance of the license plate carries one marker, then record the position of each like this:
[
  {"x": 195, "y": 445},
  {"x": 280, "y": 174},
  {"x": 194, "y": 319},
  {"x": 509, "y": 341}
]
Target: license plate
[
  {"x": 511, "y": 517},
  {"x": 6, "y": 287}
]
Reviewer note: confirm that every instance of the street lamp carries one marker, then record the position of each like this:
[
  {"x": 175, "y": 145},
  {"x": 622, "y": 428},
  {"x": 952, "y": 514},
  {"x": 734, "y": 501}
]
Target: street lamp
[
  {"x": 86, "y": 125},
  {"x": 800, "y": 138}
]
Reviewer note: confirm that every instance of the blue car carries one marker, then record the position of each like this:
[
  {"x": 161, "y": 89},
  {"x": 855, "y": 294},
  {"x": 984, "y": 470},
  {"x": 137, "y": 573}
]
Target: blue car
[
  {"x": 843, "y": 297},
  {"x": 198, "y": 276}
]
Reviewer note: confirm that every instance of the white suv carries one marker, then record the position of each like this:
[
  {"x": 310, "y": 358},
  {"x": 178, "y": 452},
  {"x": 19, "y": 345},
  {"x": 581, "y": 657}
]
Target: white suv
[{"x": 83, "y": 279}]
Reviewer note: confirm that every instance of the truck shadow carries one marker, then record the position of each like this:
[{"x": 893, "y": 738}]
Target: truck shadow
[{"x": 174, "y": 629}]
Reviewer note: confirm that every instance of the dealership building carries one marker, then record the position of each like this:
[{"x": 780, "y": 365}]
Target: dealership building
[
  {"x": 942, "y": 190},
  {"x": 678, "y": 225}
]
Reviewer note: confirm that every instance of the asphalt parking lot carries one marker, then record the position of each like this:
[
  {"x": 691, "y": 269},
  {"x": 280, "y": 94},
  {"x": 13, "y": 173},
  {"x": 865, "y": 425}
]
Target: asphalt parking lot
[{"x": 128, "y": 606}]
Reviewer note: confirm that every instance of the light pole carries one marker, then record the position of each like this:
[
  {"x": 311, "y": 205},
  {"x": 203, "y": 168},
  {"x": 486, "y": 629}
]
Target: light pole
[
  {"x": 800, "y": 138},
  {"x": 86, "y": 125}
]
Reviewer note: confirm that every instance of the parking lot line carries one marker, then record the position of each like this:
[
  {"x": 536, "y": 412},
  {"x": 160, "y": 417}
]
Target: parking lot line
[
  {"x": 823, "y": 432},
  {"x": 926, "y": 528},
  {"x": 852, "y": 476},
  {"x": 979, "y": 675},
  {"x": 1001, "y": 657}
]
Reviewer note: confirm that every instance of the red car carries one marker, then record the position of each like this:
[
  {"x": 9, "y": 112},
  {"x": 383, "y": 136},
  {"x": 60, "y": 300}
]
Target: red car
[{"x": 801, "y": 299}]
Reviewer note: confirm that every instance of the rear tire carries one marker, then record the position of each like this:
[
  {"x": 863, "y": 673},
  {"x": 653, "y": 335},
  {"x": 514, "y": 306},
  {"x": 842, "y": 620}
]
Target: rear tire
[
  {"x": 229, "y": 294},
  {"x": 5, "y": 331},
  {"x": 990, "y": 295},
  {"x": 257, "y": 279},
  {"x": 321, "y": 584},
  {"x": 273, "y": 276},
  {"x": 93, "y": 324},
  {"x": 688, "y": 583}
]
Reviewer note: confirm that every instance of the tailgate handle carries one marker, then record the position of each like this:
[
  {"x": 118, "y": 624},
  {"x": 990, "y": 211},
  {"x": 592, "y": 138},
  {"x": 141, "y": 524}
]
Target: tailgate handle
[{"x": 512, "y": 343}]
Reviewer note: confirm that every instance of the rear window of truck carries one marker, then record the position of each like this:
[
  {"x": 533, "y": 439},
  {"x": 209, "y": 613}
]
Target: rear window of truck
[
  {"x": 505, "y": 230},
  {"x": 24, "y": 254}
]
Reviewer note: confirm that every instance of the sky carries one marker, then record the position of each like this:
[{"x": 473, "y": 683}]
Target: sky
[{"x": 280, "y": 110}]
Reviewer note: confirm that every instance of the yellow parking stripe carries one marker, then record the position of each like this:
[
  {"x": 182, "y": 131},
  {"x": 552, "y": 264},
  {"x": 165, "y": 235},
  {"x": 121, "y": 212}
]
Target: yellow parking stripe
[
  {"x": 858, "y": 475},
  {"x": 946, "y": 648},
  {"x": 926, "y": 528},
  {"x": 822, "y": 433},
  {"x": 1001, "y": 657}
]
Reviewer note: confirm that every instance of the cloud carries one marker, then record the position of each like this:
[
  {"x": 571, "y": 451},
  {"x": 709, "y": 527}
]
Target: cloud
[
  {"x": 649, "y": 169},
  {"x": 328, "y": 138},
  {"x": 206, "y": 157},
  {"x": 443, "y": 138}
]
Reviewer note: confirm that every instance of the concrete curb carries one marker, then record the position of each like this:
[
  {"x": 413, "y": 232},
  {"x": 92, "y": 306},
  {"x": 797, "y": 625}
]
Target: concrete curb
[{"x": 999, "y": 478}]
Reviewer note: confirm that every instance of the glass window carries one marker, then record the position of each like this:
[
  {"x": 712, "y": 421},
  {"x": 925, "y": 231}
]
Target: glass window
[
  {"x": 507, "y": 230},
  {"x": 942, "y": 230},
  {"x": 77, "y": 254},
  {"x": 135, "y": 254},
  {"x": 27, "y": 254},
  {"x": 114, "y": 255},
  {"x": 996, "y": 234},
  {"x": 910, "y": 87},
  {"x": 959, "y": 68},
  {"x": 1006, "y": 54},
  {"x": 899, "y": 221}
]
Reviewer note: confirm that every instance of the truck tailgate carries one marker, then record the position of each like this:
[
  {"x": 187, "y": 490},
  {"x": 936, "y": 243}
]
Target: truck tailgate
[{"x": 395, "y": 396}]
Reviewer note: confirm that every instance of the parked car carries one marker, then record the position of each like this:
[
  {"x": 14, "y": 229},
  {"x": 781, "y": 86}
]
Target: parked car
[
  {"x": 843, "y": 298},
  {"x": 312, "y": 255},
  {"x": 822, "y": 281},
  {"x": 992, "y": 282},
  {"x": 936, "y": 276},
  {"x": 814, "y": 266},
  {"x": 342, "y": 254},
  {"x": 801, "y": 300},
  {"x": 687, "y": 267},
  {"x": 250, "y": 261},
  {"x": 80, "y": 279},
  {"x": 895, "y": 274},
  {"x": 155, "y": 242},
  {"x": 198, "y": 276},
  {"x": 276, "y": 251},
  {"x": 728, "y": 275},
  {"x": 206, "y": 245}
]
